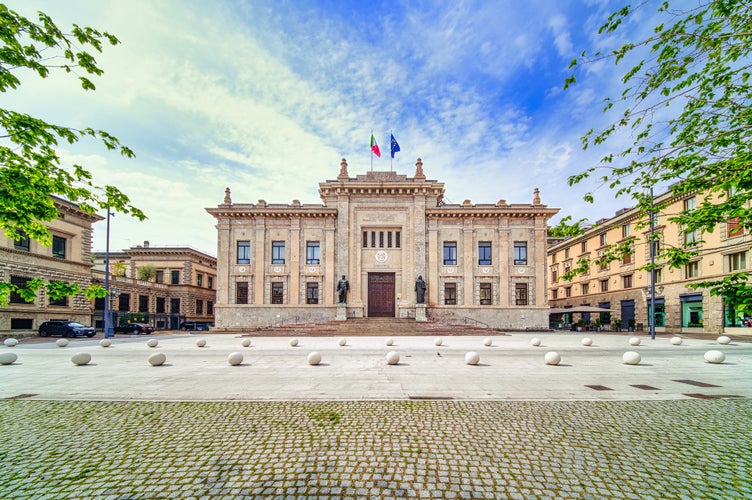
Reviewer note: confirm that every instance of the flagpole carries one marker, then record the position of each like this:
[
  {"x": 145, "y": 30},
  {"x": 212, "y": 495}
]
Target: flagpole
[
  {"x": 369, "y": 140},
  {"x": 391, "y": 156}
]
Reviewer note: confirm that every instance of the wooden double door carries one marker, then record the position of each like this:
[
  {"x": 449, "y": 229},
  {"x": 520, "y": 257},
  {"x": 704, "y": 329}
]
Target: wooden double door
[{"x": 381, "y": 295}]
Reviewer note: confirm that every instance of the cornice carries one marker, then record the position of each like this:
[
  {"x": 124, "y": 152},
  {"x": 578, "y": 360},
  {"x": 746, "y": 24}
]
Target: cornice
[{"x": 251, "y": 211}]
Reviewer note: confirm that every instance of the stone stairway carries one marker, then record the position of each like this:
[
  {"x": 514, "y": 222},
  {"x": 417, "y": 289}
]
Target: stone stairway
[{"x": 367, "y": 327}]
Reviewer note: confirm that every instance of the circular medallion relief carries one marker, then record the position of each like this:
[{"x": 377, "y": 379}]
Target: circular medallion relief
[
  {"x": 381, "y": 256},
  {"x": 486, "y": 270},
  {"x": 521, "y": 270},
  {"x": 277, "y": 269},
  {"x": 311, "y": 269},
  {"x": 450, "y": 270},
  {"x": 241, "y": 269}
]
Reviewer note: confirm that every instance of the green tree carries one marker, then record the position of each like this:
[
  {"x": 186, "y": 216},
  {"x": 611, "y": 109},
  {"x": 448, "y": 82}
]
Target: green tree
[
  {"x": 685, "y": 107},
  {"x": 147, "y": 272},
  {"x": 30, "y": 167}
]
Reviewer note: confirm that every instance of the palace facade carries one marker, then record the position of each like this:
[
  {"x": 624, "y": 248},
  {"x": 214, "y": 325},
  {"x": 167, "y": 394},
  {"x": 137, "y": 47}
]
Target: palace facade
[{"x": 281, "y": 263}]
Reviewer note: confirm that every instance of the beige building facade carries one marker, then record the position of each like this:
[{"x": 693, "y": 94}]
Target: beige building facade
[
  {"x": 281, "y": 263},
  {"x": 624, "y": 287}
]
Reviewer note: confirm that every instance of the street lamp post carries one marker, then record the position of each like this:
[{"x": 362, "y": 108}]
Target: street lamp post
[
  {"x": 109, "y": 332},
  {"x": 652, "y": 268}
]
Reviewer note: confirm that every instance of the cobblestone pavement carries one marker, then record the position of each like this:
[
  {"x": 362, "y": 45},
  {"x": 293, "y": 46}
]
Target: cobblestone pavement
[{"x": 376, "y": 449}]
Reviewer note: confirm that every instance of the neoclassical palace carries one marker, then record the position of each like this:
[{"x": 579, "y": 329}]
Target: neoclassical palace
[{"x": 281, "y": 263}]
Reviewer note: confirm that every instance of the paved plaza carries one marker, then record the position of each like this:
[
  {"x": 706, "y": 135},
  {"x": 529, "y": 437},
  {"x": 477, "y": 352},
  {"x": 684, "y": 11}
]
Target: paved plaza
[{"x": 673, "y": 426}]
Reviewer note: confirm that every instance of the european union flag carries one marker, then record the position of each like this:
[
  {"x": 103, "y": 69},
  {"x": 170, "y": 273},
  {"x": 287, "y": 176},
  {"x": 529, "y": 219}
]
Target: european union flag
[{"x": 395, "y": 146}]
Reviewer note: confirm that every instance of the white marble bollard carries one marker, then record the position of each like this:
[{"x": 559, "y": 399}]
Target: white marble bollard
[
  {"x": 342, "y": 342},
  {"x": 62, "y": 342},
  {"x": 314, "y": 358},
  {"x": 200, "y": 343},
  {"x": 634, "y": 341},
  {"x": 437, "y": 341},
  {"x": 105, "y": 342},
  {"x": 10, "y": 342},
  {"x": 552, "y": 358},
  {"x": 8, "y": 358},
  {"x": 157, "y": 359},
  {"x": 293, "y": 342},
  {"x": 715, "y": 357},
  {"x": 472, "y": 358},
  {"x": 488, "y": 341},
  {"x": 631, "y": 358},
  {"x": 676, "y": 340},
  {"x": 392, "y": 358},
  {"x": 587, "y": 341},
  {"x": 81, "y": 358},
  {"x": 389, "y": 342},
  {"x": 152, "y": 343},
  {"x": 246, "y": 343},
  {"x": 234, "y": 359},
  {"x": 535, "y": 342},
  {"x": 724, "y": 340}
]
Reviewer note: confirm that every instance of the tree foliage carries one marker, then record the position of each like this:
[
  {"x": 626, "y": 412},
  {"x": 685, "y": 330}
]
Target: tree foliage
[
  {"x": 147, "y": 272},
  {"x": 30, "y": 166},
  {"x": 684, "y": 113}
]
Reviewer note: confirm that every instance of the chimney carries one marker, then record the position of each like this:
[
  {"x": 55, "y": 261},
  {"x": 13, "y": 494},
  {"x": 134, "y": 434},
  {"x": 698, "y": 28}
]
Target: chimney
[{"x": 146, "y": 243}]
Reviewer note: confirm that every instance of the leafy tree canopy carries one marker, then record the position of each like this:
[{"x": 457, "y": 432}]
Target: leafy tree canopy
[{"x": 684, "y": 113}]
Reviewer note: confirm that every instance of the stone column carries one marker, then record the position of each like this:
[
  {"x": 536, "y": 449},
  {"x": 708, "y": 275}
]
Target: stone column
[
  {"x": 330, "y": 278},
  {"x": 468, "y": 270},
  {"x": 294, "y": 268},
  {"x": 224, "y": 247},
  {"x": 505, "y": 257},
  {"x": 433, "y": 263},
  {"x": 259, "y": 271}
]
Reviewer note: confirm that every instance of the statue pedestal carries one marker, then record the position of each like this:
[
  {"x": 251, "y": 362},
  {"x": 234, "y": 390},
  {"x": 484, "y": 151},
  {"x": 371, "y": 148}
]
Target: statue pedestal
[
  {"x": 341, "y": 312},
  {"x": 420, "y": 312}
]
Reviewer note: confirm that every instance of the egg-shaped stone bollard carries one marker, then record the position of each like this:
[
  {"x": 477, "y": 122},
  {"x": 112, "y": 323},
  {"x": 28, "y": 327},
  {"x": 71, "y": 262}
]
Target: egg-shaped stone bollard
[
  {"x": 631, "y": 358},
  {"x": 81, "y": 358},
  {"x": 392, "y": 358},
  {"x": 342, "y": 342},
  {"x": 293, "y": 342},
  {"x": 200, "y": 343},
  {"x": 246, "y": 343},
  {"x": 105, "y": 342},
  {"x": 152, "y": 343},
  {"x": 10, "y": 342},
  {"x": 552, "y": 358},
  {"x": 389, "y": 342},
  {"x": 676, "y": 340},
  {"x": 157, "y": 359},
  {"x": 8, "y": 358},
  {"x": 472, "y": 358},
  {"x": 234, "y": 359},
  {"x": 314, "y": 358},
  {"x": 62, "y": 342},
  {"x": 634, "y": 341},
  {"x": 535, "y": 342},
  {"x": 724, "y": 340},
  {"x": 587, "y": 341},
  {"x": 488, "y": 341},
  {"x": 715, "y": 357},
  {"x": 437, "y": 341}
]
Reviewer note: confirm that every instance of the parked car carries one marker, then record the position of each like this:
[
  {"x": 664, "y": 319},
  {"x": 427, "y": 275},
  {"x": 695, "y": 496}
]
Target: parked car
[
  {"x": 194, "y": 326},
  {"x": 65, "y": 328},
  {"x": 135, "y": 328}
]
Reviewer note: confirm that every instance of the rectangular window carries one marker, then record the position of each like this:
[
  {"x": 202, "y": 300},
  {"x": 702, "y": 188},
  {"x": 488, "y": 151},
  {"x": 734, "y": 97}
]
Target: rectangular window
[
  {"x": 626, "y": 258},
  {"x": 450, "y": 253},
  {"x": 396, "y": 239},
  {"x": 484, "y": 253},
  {"x": 19, "y": 281},
  {"x": 520, "y": 294},
  {"x": 312, "y": 293},
  {"x": 583, "y": 246},
  {"x": 585, "y": 288},
  {"x": 241, "y": 292},
  {"x": 625, "y": 231},
  {"x": 691, "y": 237},
  {"x": 658, "y": 275},
  {"x": 568, "y": 291},
  {"x": 175, "y": 306},
  {"x": 124, "y": 302},
  {"x": 278, "y": 292},
  {"x": 604, "y": 239},
  {"x": 520, "y": 253},
  {"x": 373, "y": 239},
  {"x": 175, "y": 277},
  {"x": 554, "y": 276},
  {"x": 199, "y": 306},
  {"x": 365, "y": 239},
  {"x": 655, "y": 248},
  {"x": 199, "y": 279},
  {"x": 604, "y": 285},
  {"x": 554, "y": 294},
  {"x": 21, "y": 323},
  {"x": 692, "y": 270},
  {"x": 626, "y": 281},
  {"x": 278, "y": 252},
  {"x": 603, "y": 265},
  {"x": 381, "y": 239},
  {"x": 99, "y": 304},
  {"x": 62, "y": 301},
  {"x": 485, "y": 294},
  {"x": 690, "y": 204},
  {"x": 450, "y": 294},
  {"x": 143, "y": 303},
  {"x": 732, "y": 228},
  {"x": 389, "y": 239},
  {"x": 210, "y": 283},
  {"x": 23, "y": 242},
  {"x": 566, "y": 253},
  {"x": 313, "y": 255},
  {"x": 737, "y": 261},
  {"x": 553, "y": 258},
  {"x": 243, "y": 252},
  {"x": 209, "y": 307},
  {"x": 160, "y": 304},
  {"x": 58, "y": 247},
  {"x": 159, "y": 278}
]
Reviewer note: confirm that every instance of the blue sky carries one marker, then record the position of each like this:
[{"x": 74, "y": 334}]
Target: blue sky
[{"x": 265, "y": 97}]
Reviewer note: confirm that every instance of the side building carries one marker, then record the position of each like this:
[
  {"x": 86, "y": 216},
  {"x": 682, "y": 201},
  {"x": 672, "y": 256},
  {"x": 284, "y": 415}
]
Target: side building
[
  {"x": 382, "y": 231},
  {"x": 625, "y": 289},
  {"x": 182, "y": 288},
  {"x": 68, "y": 259}
]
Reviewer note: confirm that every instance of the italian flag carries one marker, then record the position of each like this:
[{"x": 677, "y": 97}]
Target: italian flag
[{"x": 375, "y": 147}]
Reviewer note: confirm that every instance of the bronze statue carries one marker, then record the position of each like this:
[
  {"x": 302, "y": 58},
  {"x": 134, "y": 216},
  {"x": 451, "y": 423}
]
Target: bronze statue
[
  {"x": 420, "y": 290},
  {"x": 342, "y": 287}
]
